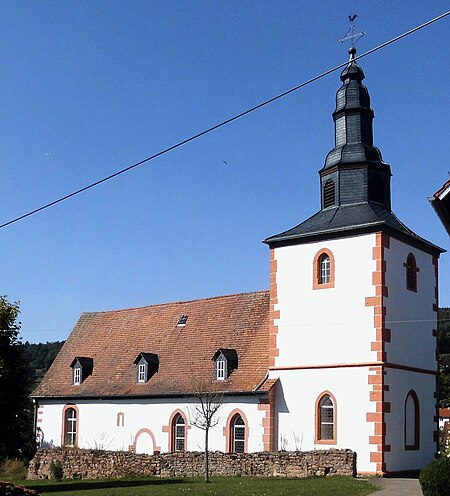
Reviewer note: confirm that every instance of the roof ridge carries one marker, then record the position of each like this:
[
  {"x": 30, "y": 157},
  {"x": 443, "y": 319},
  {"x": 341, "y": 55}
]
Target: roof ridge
[{"x": 180, "y": 302}]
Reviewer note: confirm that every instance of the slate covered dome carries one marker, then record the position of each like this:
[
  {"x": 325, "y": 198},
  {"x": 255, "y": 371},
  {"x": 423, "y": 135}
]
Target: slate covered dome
[
  {"x": 355, "y": 189},
  {"x": 353, "y": 120}
]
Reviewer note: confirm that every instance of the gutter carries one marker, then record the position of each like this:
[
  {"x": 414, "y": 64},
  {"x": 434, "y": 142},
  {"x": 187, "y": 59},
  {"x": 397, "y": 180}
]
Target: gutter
[{"x": 144, "y": 396}]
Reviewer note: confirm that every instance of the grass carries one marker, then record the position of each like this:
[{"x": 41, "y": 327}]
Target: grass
[
  {"x": 219, "y": 486},
  {"x": 12, "y": 469}
]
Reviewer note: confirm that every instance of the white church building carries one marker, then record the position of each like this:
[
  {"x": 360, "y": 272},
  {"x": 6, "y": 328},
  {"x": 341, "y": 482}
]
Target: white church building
[{"x": 340, "y": 352}]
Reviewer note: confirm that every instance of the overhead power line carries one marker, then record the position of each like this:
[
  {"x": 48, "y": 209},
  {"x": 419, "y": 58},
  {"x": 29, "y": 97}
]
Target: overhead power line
[{"x": 223, "y": 123}]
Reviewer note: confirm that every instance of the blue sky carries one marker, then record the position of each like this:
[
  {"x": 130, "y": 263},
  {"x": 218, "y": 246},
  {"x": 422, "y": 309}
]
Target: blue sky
[{"x": 89, "y": 87}]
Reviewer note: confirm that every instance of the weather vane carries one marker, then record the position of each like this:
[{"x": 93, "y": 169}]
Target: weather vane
[{"x": 351, "y": 35}]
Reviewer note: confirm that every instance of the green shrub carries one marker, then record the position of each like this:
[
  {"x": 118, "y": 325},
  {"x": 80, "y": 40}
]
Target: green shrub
[
  {"x": 435, "y": 478},
  {"x": 56, "y": 470}
]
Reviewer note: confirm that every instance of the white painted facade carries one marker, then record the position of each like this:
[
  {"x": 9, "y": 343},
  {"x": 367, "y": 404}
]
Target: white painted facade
[
  {"x": 324, "y": 339},
  {"x": 410, "y": 314},
  {"x": 325, "y": 326},
  {"x": 296, "y": 410},
  {"x": 412, "y": 319},
  {"x": 400, "y": 383},
  {"x": 145, "y": 424},
  {"x": 320, "y": 331},
  {"x": 324, "y": 342}
]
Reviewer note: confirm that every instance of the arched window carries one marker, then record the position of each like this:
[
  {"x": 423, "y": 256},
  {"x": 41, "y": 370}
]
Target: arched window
[
  {"x": 329, "y": 194},
  {"x": 323, "y": 269},
  {"x": 120, "y": 419},
  {"x": 70, "y": 416},
  {"x": 412, "y": 421},
  {"x": 411, "y": 273},
  {"x": 178, "y": 433},
  {"x": 177, "y": 430},
  {"x": 238, "y": 434},
  {"x": 376, "y": 190},
  {"x": 326, "y": 419}
]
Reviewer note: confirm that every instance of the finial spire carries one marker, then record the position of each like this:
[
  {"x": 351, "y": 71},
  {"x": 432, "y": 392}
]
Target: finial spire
[{"x": 351, "y": 35}]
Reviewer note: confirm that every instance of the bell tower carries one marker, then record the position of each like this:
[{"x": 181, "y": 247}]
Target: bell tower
[{"x": 353, "y": 301}]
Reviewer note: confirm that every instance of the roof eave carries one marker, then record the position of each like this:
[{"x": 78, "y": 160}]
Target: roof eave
[
  {"x": 140, "y": 396},
  {"x": 360, "y": 229},
  {"x": 441, "y": 212}
]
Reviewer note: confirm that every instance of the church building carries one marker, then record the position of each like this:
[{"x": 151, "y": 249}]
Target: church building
[{"x": 340, "y": 352}]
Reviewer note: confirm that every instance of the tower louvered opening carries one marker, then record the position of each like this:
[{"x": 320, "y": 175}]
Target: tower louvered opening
[
  {"x": 329, "y": 194},
  {"x": 376, "y": 190}
]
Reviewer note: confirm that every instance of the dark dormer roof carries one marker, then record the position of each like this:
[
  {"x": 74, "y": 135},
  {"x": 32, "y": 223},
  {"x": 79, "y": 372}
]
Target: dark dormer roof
[
  {"x": 150, "y": 358},
  {"x": 230, "y": 355},
  {"x": 151, "y": 365},
  {"x": 86, "y": 365},
  {"x": 86, "y": 362}
]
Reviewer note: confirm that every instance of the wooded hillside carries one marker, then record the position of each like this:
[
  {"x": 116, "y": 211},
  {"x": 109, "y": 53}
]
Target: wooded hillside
[{"x": 41, "y": 356}]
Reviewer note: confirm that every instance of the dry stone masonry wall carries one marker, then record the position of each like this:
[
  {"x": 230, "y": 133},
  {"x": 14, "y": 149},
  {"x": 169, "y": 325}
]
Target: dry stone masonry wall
[{"x": 95, "y": 464}]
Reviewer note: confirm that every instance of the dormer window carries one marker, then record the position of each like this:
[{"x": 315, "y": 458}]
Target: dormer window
[
  {"x": 81, "y": 369},
  {"x": 147, "y": 364},
  {"x": 220, "y": 369},
  {"x": 142, "y": 372},
  {"x": 225, "y": 361},
  {"x": 77, "y": 376}
]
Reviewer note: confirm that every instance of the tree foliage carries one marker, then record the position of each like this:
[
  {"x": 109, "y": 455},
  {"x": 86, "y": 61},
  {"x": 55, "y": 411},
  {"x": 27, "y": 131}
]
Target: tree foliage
[
  {"x": 16, "y": 412},
  {"x": 444, "y": 356}
]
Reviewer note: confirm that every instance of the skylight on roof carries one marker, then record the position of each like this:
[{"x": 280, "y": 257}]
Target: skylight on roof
[{"x": 182, "y": 321}]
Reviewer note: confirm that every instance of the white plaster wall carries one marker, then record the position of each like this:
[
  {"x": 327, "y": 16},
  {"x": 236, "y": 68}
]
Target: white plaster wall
[
  {"x": 443, "y": 421},
  {"x": 410, "y": 315},
  {"x": 400, "y": 383},
  {"x": 97, "y": 423},
  {"x": 296, "y": 398},
  {"x": 325, "y": 326}
]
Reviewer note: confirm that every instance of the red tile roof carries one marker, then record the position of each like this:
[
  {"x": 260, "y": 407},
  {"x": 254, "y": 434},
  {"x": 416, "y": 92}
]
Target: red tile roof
[
  {"x": 115, "y": 338},
  {"x": 444, "y": 412}
]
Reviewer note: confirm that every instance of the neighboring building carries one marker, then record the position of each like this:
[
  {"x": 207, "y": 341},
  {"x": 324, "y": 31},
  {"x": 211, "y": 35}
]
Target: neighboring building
[
  {"x": 444, "y": 426},
  {"x": 444, "y": 418},
  {"x": 440, "y": 201},
  {"x": 339, "y": 353}
]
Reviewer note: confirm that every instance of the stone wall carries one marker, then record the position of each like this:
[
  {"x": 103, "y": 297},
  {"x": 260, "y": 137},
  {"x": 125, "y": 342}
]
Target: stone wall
[{"x": 94, "y": 464}]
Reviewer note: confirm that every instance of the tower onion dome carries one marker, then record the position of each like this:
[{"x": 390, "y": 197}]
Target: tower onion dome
[
  {"x": 355, "y": 190},
  {"x": 353, "y": 120}
]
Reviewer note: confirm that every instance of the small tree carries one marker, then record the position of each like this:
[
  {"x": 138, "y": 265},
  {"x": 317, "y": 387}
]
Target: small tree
[
  {"x": 16, "y": 415},
  {"x": 204, "y": 414}
]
